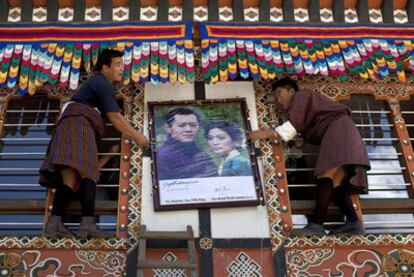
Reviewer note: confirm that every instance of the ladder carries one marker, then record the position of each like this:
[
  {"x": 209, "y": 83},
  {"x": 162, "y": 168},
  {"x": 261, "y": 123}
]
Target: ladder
[{"x": 188, "y": 235}]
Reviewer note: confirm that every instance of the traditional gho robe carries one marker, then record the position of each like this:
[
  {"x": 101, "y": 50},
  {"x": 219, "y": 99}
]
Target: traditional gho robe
[
  {"x": 180, "y": 160},
  {"x": 79, "y": 128},
  {"x": 324, "y": 122}
]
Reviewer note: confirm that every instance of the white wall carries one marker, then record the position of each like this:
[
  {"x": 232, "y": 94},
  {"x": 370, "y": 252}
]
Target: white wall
[
  {"x": 242, "y": 222},
  {"x": 246, "y": 222},
  {"x": 171, "y": 220}
]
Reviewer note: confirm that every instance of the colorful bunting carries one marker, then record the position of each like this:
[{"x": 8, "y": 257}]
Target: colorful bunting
[
  {"x": 172, "y": 62},
  {"x": 163, "y": 61},
  {"x": 228, "y": 50},
  {"x": 58, "y": 53},
  {"x": 267, "y": 50},
  {"x": 28, "y": 67},
  {"x": 374, "y": 59}
]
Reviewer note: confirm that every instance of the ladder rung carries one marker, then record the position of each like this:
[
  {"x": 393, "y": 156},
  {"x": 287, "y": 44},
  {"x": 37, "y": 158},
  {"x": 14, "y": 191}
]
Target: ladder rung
[
  {"x": 142, "y": 263},
  {"x": 165, "y": 235},
  {"x": 163, "y": 264}
]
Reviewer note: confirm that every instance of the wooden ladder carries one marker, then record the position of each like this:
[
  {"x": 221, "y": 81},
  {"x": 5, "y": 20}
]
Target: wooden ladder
[{"x": 188, "y": 235}]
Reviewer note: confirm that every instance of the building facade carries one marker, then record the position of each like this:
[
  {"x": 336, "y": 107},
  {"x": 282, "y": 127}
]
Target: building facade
[{"x": 196, "y": 53}]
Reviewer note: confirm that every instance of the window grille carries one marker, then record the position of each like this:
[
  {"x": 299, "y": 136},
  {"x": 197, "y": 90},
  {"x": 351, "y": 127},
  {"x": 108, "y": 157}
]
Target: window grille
[
  {"x": 388, "y": 206},
  {"x": 25, "y": 134},
  {"x": 26, "y": 131}
]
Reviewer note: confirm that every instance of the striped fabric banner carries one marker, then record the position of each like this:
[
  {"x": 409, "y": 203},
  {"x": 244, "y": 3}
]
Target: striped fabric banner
[
  {"x": 81, "y": 33},
  {"x": 265, "y": 51},
  {"x": 261, "y": 31},
  {"x": 58, "y": 53}
]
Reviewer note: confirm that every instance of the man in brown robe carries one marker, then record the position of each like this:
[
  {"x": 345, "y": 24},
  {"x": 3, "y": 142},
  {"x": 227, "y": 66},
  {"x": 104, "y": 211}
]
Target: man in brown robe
[{"x": 342, "y": 160}]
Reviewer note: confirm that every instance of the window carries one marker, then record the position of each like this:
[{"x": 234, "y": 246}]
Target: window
[
  {"x": 387, "y": 207},
  {"x": 407, "y": 112},
  {"x": 27, "y": 129}
]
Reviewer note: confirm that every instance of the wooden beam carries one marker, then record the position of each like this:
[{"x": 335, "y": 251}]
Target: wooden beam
[
  {"x": 404, "y": 140},
  {"x": 363, "y": 11},
  {"x": 288, "y": 11},
  {"x": 238, "y": 11},
  {"x": 314, "y": 11},
  {"x": 124, "y": 164},
  {"x": 264, "y": 11},
  {"x": 213, "y": 9},
  {"x": 4, "y": 10},
  {"x": 339, "y": 11},
  {"x": 134, "y": 8},
  {"x": 369, "y": 206},
  {"x": 106, "y": 10},
  {"x": 38, "y": 207},
  {"x": 79, "y": 11},
  {"x": 52, "y": 10},
  {"x": 188, "y": 10},
  {"x": 22, "y": 206},
  {"x": 162, "y": 10},
  {"x": 27, "y": 10},
  {"x": 387, "y": 10}
]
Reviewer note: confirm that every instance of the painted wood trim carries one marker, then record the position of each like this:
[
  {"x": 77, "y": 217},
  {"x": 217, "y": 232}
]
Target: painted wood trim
[
  {"x": 288, "y": 11},
  {"x": 52, "y": 10},
  {"x": 387, "y": 11},
  {"x": 122, "y": 218},
  {"x": 264, "y": 11},
  {"x": 362, "y": 11},
  {"x": 338, "y": 11},
  {"x": 282, "y": 188},
  {"x": 368, "y": 206},
  {"x": 404, "y": 140},
  {"x": 314, "y": 11},
  {"x": 213, "y": 8},
  {"x": 4, "y": 9}
]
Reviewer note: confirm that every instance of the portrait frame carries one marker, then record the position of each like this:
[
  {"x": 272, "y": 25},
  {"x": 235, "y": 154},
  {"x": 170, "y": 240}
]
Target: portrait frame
[{"x": 202, "y": 158}]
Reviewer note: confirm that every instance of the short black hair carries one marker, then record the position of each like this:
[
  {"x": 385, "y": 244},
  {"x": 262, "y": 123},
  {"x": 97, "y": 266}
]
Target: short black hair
[
  {"x": 105, "y": 58},
  {"x": 229, "y": 128},
  {"x": 169, "y": 117},
  {"x": 285, "y": 82}
]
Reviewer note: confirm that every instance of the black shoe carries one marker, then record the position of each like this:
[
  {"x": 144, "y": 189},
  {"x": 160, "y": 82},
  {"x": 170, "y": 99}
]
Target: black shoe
[
  {"x": 88, "y": 228},
  {"x": 55, "y": 228},
  {"x": 311, "y": 229},
  {"x": 350, "y": 228}
]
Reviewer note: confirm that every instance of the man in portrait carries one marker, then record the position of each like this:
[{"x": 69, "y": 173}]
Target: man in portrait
[{"x": 180, "y": 157}]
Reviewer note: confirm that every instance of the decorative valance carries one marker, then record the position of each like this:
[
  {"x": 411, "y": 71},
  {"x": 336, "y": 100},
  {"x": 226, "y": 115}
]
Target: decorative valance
[
  {"x": 268, "y": 50},
  {"x": 33, "y": 54}
]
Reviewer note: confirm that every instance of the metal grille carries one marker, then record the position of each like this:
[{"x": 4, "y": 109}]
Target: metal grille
[
  {"x": 26, "y": 132},
  {"x": 387, "y": 182}
]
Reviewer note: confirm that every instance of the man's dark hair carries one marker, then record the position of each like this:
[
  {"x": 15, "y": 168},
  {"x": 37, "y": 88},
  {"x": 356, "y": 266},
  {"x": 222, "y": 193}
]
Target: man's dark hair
[
  {"x": 169, "y": 117},
  {"x": 227, "y": 127},
  {"x": 285, "y": 82},
  {"x": 105, "y": 58}
]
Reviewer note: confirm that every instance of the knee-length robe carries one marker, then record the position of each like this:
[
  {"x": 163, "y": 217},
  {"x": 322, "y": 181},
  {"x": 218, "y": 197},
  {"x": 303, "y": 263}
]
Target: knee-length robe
[
  {"x": 74, "y": 145},
  {"x": 327, "y": 123}
]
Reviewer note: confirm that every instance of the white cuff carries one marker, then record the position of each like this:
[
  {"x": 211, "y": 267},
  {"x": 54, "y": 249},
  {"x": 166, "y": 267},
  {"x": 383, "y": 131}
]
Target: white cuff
[{"x": 286, "y": 131}]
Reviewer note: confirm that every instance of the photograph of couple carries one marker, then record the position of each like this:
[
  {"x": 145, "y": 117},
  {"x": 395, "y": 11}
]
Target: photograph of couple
[{"x": 201, "y": 154}]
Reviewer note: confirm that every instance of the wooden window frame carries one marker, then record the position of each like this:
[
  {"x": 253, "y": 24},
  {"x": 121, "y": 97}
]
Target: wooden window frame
[
  {"x": 102, "y": 207},
  {"x": 362, "y": 206}
]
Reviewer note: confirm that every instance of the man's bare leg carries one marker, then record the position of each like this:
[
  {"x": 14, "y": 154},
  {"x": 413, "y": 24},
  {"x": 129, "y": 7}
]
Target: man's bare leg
[
  {"x": 70, "y": 178},
  {"x": 342, "y": 198}
]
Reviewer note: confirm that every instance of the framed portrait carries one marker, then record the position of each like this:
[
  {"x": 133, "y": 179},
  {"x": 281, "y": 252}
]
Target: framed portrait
[{"x": 200, "y": 155}]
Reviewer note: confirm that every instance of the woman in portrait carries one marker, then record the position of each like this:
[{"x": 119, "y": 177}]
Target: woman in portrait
[{"x": 225, "y": 140}]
